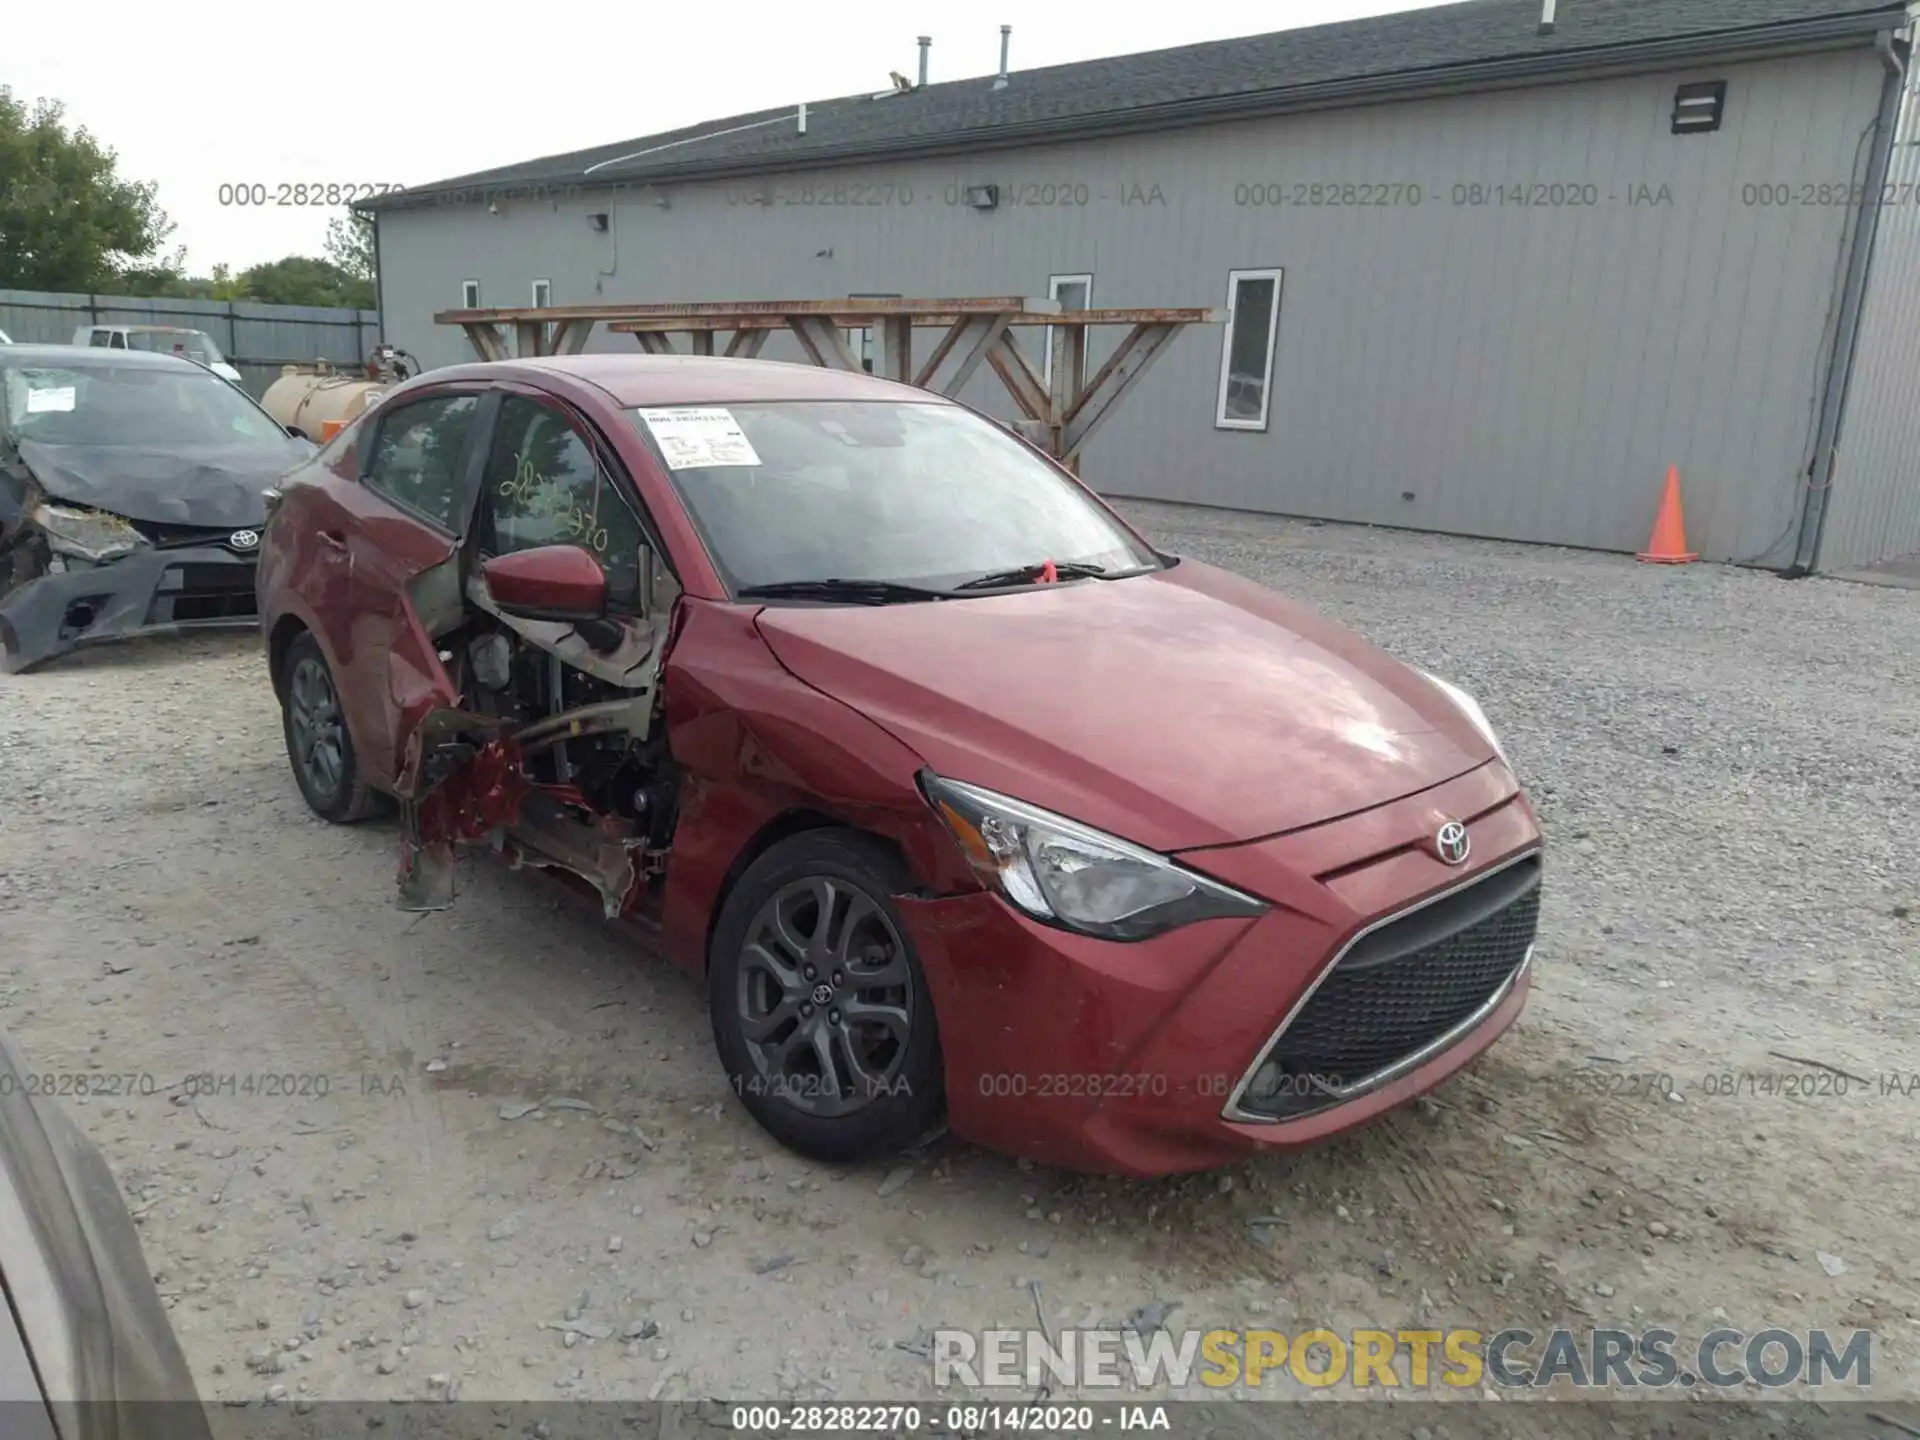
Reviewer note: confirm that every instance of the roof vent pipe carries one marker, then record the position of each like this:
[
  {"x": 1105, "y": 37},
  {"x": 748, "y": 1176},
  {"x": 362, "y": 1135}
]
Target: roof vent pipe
[
  {"x": 803, "y": 119},
  {"x": 1000, "y": 80},
  {"x": 926, "y": 43},
  {"x": 1546, "y": 16}
]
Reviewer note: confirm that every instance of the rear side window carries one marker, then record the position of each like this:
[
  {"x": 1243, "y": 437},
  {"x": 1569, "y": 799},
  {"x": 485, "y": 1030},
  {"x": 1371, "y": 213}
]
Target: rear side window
[
  {"x": 99, "y": 337},
  {"x": 416, "y": 458},
  {"x": 544, "y": 487}
]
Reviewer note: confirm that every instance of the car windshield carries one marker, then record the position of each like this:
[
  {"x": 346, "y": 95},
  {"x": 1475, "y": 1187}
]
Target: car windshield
[
  {"x": 922, "y": 494},
  {"x": 131, "y": 405},
  {"x": 194, "y": 344}
]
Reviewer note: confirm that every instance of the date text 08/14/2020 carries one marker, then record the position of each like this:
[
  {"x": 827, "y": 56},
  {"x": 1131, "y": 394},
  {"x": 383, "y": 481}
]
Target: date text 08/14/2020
[{"x": 954, "y": 1420}]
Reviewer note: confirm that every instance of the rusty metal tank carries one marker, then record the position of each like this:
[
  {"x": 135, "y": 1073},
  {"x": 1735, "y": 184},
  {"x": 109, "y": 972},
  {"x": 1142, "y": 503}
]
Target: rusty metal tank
[{"x": 306, "y": 398}]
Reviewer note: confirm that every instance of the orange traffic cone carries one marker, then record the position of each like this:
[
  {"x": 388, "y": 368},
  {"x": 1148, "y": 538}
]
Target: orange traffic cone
[
  {"x": 1668, "y": 543},
  {"x": 331, "y": 428}
]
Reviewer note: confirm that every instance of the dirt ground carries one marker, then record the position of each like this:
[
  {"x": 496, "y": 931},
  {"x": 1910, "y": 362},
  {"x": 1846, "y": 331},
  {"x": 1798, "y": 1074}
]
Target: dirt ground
[{"x": 363, "y": 1202}]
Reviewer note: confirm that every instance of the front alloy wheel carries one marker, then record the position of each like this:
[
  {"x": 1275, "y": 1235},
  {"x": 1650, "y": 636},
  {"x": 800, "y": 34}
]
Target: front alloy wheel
[
  {"x": 825, "y": 996},
  {"x": 820, "y": 1009}
]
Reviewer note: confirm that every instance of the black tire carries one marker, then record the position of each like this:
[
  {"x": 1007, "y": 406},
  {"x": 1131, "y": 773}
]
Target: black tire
[
  {"x": 319, "y": 746},
  {"x": 888, "y": 1089}
]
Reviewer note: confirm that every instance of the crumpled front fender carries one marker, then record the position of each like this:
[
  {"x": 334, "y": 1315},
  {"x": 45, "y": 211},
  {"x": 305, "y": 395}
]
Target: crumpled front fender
[{"x": 460, "y": 782}]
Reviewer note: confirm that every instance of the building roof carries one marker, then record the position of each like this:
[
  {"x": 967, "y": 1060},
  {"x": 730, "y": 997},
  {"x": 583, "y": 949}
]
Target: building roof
[{"x": 1449, "y": 46}]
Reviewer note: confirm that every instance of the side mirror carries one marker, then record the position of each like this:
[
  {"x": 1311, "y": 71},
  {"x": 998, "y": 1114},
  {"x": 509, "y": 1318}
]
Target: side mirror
[{"x": 553, "y": 582}]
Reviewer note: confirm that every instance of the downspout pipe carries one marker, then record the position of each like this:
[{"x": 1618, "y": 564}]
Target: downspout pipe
[
  {"x": 379, "y": 300},
  {"x": 1894, "y": 48}
]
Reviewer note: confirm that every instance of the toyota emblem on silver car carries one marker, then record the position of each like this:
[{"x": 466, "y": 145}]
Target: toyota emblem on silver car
[
  {"x": 244, "y": 539},
  {"x": 1451, "y": 844}
]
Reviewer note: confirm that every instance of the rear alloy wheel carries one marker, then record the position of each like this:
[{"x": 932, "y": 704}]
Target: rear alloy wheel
[
  {"x": 318, "y": 745},
  {"x": 820, "y": 1009}
]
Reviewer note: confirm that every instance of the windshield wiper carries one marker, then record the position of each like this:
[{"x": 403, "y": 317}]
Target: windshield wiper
[
  {"x": 854, "y": 592},
  {"x": 1028, "y": 574}
]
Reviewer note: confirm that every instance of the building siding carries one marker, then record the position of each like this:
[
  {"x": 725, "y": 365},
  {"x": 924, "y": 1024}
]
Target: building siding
[
  {"x": 1523, "y": 372},
  {"x": 1873, "y": 508}
]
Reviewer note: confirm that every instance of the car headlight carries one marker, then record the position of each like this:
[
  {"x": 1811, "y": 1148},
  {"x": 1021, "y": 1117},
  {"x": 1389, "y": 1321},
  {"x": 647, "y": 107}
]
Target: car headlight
[
  {"x": 1067, "y": 874},
  {"x": 1470, "y": 707},
  {"x": 91, "y": 535}
]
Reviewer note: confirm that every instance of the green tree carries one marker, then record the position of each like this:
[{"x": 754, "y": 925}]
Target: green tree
[
  {"x": 303, "y": 280},
  {"x": 169, "y": 279},
  {"x": 68, "y": 220},
  {"x": 350, "y": 246}
]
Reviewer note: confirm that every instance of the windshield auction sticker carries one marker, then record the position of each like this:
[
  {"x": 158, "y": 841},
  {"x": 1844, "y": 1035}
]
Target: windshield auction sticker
[
  {"x": 56, "y": 399},
  {"x": 694, "y": 437}
]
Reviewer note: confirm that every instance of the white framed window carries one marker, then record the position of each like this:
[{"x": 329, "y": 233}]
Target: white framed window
[
  {"x": 1246, "y": 351},
  {"x": 1074, "y": 292},
  {"x": 860, "y": 340},
  {"x": 542, "y": 293},
  {"x": 469, "y": 294}
]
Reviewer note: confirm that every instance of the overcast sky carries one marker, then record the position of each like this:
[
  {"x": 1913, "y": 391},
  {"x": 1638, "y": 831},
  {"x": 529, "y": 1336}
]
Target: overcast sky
[{"x": 408, "y": 93}]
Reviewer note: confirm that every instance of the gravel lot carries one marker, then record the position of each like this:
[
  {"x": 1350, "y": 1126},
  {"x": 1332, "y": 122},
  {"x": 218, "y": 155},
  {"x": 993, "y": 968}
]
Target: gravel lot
[{"x": 1727, "y": 767}]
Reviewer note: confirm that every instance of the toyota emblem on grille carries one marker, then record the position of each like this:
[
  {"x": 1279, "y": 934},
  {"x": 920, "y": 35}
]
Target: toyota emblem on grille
[
  {"x": 1451, "y": 844},
  {"x": 244, "y": 539}
]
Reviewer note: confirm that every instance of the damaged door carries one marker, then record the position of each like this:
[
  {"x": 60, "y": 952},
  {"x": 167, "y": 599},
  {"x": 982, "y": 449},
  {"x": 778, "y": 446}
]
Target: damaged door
[
  {"x": 550, "y": 753},
  {"x": 402, "y": 537}
]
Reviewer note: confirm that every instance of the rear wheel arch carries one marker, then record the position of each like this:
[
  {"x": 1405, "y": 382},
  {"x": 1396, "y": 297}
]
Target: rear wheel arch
[{"x": 286, "y": 630}]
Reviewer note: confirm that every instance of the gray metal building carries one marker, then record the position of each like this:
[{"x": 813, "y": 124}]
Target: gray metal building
[{"x": 1492, "y": 268}]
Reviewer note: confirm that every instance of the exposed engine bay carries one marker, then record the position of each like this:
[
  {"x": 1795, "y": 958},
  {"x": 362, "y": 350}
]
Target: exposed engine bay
[{"x": 555, "y": 757}]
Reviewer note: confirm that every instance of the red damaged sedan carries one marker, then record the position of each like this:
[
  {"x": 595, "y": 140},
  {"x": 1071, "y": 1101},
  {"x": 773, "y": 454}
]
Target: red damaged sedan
[{"x": 965, "y": 800}]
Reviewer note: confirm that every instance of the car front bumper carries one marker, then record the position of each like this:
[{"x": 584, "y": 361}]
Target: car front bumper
[
  {"x": 1141, "y": 1059},
  {"x": 147, "y": 592}
]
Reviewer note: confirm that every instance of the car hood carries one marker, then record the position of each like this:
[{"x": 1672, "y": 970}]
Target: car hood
[
  {"x": 216, "y": 486},
  {"x": 1180, "y": 709}
]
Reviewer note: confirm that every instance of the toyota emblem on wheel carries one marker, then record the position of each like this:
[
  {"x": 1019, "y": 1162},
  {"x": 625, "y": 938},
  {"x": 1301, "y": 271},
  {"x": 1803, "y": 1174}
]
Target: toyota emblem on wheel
[
  {"x": 244, "y": 539},
  {"x": 1451, "y": 844}
]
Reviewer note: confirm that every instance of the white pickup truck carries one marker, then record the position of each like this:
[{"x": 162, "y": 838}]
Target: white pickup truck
[{"x": 161, "y": 340}]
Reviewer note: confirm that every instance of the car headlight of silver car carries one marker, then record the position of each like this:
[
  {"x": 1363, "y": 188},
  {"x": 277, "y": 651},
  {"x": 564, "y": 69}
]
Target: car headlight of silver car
[
  {"x": 90, "y": 535},
  {"x": 1470, "y": 707},
  {"x": 1067, "y": 874}
]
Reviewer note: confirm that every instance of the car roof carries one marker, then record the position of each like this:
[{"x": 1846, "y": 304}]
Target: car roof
[
  {"x": 700, "y": 379},
  {"x": 81, "y": 357},
  {"x": 159, "y": 329}
]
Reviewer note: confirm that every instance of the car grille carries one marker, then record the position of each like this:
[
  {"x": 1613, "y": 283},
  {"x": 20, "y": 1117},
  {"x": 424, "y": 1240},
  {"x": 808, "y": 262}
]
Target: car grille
[
  {"x": 190, "y": 594},
  {"x": 1398, "y": 990},
  {"x": 180, "y": 537}
]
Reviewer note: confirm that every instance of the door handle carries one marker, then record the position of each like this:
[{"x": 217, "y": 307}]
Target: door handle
[{"x": 333, "y": 539}]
